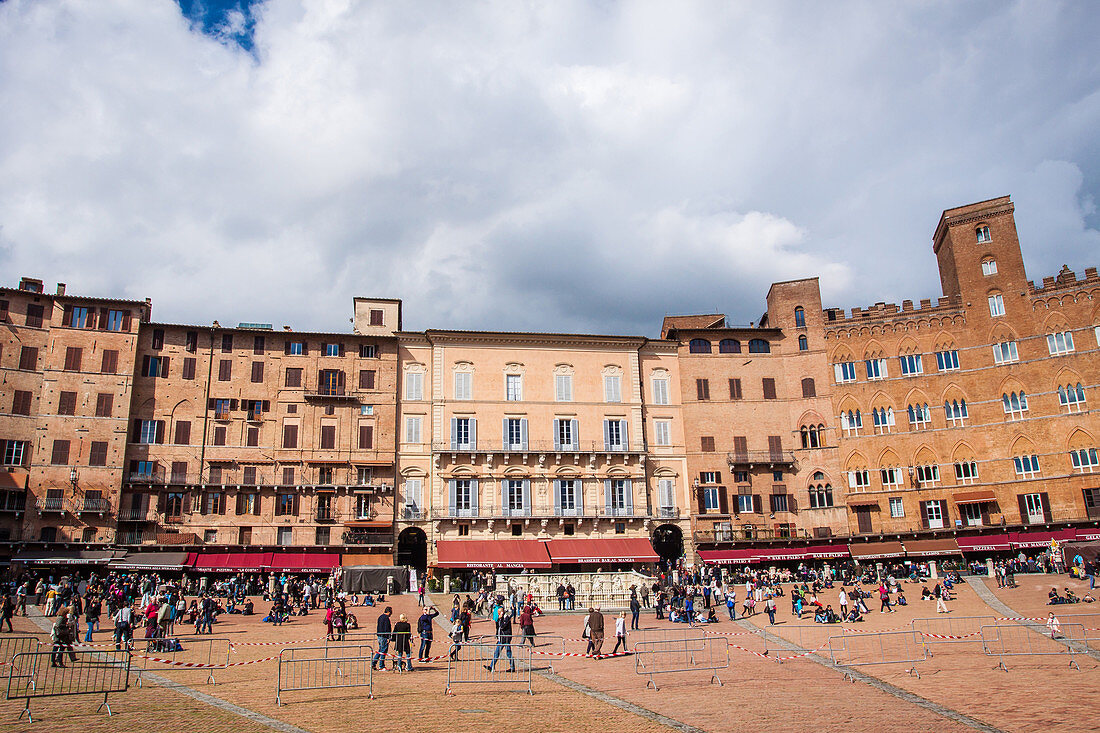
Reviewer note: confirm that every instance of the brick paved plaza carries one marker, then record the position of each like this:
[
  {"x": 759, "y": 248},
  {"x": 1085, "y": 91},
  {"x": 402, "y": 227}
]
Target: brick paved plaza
[{"x": 958, "y": 688}]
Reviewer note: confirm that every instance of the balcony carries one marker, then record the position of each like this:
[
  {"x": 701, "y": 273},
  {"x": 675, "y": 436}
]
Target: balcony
[
  {"x": 135, "y": 536},
  {"x": 134, "y": 515},
  {"x": 534, "y": 446},
  {"x": 412, "y": 515},
  {"x": 335, "y": 394},
  {"x": 13, "y": 501},
  {"x": 324, "y": 514},
  {"x": 667, "y": 512},
  {"x": 255, "y": 416},
  {"x": 155, "y": 477},
  {"x": 509, "y": 513},
  {"x": 615, "y": 512},
  {"x": 51, "y": 504},
  {"x": 221, "y": 416},
  {"x": 95, "y": 505},
  {"x": 374, "y": 538},
  {"x": 752, "y": 458},
  {"x": 748, "y": 532}
]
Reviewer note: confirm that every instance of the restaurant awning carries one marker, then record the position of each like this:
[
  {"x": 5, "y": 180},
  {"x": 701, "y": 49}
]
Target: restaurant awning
[
  {"x": 66, "y": 557},
  {"x": 1040, "y": 539},
  {"x": 1088, "y": 534},
  {"x": 304, "y": 562},
  {"x": 863, "y": 503},
  {"x": 813, "y": 552},
  {"x": 931, "y": 548},
  {"x": 231, "y": 562},
  {"x": 974, "y": 497},
  {"x": 876, "y": 550},
  {"x": 601, "y": 550},
  {"x": 492, "y": 554},
  {"x": 743, "y": 556},
  {"x": 984, "y": 543},
  {"x": 149, "y": 561}
]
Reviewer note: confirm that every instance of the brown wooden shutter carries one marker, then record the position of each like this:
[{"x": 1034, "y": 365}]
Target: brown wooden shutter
[
  {"x": 67, "y": 316},
  {"x": 240, "y": 503},
  {"x": 808, "y": 387},
  {"x": 735, "y": 389},
  {"x": 225, "y": 370},
  {"x": 189, "y": 368},
  {"x": 741, "y": 447},
  {"x": 702, "y": 500},
  {"x": 136, "y": 437},
  {"x": 257, "y": 371},
  {"x": 1023, "y": 508},
  {"x": 757, "y": 504},
  {"x": 340, "y": 382},
  {"x": 1044, "y": 501},
  {"x": 163, "y": 366},
  {"x": 110, "y": 362},
  {"x": 707, "y": 443},
  {"x": 290, "y": 436},
  {"x": 183, "y": 432},
  {"x": 702, "y": 389},
  {"x": 723, "y": 500},
  {"x": 103, "y": 318},
  {"x": 328, "y": 437},
  {"x": 253, "y": 437},
  {"x": 366, "y": 436},
  {"x": 286, "y": 348},
  {"x": 127, "y": 321},
  {"x": 924, "y": 514},
  {"x": 769, "y": 388},
  {"x": 792, "y": 503},
  {"x": 775, "y": 447}
]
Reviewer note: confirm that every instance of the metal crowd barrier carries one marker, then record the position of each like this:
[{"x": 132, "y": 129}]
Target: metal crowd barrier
[
  {"x": 546, "y": 643},
  {"x": 681, "y": 655},
  {"x": 325, "y": 668},
  {"x": 1033, "y": 640},
  {"x": 1091, "y": 622},
  {"x": 10, "y": 646},
  {"x": 950, "y": 629},
  {"x": 78, "y": 673},
  {"x": 882, "y": 647},
  {"x": 470, "y": 664},
  {"x": 182, "y": 653},
  {"x": 811, "y": 637}
]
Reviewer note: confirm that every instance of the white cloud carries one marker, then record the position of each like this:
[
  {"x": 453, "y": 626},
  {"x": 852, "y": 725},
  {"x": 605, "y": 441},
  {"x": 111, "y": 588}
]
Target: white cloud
[{"x": 562, "y": 165}]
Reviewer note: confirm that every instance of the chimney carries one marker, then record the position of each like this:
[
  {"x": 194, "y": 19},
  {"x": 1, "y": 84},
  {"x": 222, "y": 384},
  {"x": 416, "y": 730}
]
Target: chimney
[{"x": 61, "y": 288}]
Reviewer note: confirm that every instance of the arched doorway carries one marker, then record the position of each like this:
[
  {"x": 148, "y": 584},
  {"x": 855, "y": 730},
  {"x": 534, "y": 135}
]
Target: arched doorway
[
  {"x": 668, "y": 542},
  {"x": 412, "y": 549}
]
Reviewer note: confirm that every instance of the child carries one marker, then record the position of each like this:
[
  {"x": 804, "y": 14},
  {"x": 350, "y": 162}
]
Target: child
[{"x": 620, "y": 632}]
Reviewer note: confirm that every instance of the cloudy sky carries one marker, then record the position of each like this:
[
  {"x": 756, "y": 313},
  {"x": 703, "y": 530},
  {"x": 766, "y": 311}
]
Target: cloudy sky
[{"x": 556, "y": 165}]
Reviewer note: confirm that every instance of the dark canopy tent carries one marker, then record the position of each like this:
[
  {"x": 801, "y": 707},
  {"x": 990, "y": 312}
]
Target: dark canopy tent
[
  {"x": 364, "y": 578},
  {"x": 1087, "y": 550}
]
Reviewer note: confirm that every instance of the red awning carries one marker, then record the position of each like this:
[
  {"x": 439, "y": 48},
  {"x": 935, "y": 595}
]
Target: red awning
[
  {"x": 974, "y": 497},
  {"x": 743, "y": 556},
  {"x": 602, "y": 550},
  {"x": 304, "y": 562},
  {"x": 984, "y": 543},
  {"x": 232, "y": 562},
  {"x": 1040, "y": 539},
  {"x": 876, "y": 550},
  {"x": 813, "y": 552},
  {"x": 854, "y": 503},
  {"x": 1088, "y": 535},
  {"x": 931, "y": 548},
  {"x": 492, "y": 554}
]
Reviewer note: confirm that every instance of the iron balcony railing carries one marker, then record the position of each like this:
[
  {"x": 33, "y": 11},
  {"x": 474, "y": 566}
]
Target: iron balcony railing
[
  {"x": 533, "y": 446},
  {"x": 95, "y": 504},
  {"x": 757, "y": 457},
  {"x": 51, "y": 504}
]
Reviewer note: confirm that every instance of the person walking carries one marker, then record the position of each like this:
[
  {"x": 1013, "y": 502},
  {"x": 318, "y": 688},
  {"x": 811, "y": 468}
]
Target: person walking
[
  {"x": 527, "y": 625},
  {"x": 92, "y": 610},
  {"x": 384, "y": 630},
  {"x": 7, "y": 610},
  {"x": 402, "y": 645},
  {"x": 595, "y": 626},
  {"x": 61, "y": 634},
  {"x": 731, "y": 602},
  {"x": 635, "y": 613},
  {"x": 769, "y": 607},
  {"x": 620, "y": 632},
  {"x": 456, "y": 639},
  {"x": 504, "y": 641},
  {"x": 941, "y": 607},
  {"x": 123, "y": 619},
  {"x": 424, "y": 631},
  {"x": 843, "y": 598}
]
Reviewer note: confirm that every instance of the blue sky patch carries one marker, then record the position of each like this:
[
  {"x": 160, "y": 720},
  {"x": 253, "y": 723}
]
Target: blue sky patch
[{"x": 230, "y": 21}]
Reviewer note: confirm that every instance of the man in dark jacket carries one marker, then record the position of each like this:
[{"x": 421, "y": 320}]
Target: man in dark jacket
[
  {"x": 384, "y": 631},
  {"x": 424, "y": 631},
  {"x": 504, "y": 641},
  {"x": 595, "y": 628},
  {"x": 635, "y": 611}
]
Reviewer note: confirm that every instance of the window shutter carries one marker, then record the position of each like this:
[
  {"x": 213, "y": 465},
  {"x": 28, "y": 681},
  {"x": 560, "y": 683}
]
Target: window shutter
[
  {"x": 1023, "y": 509},
  {"x": 557, "y": 495},
  {"x": 607, "y": 435},
  {"x": 775, "y": 447},
  {"x": 768, "y": 385},
  {"x": 557, "y": 435},
  {"x": 211, "y": 404},
  {"x": 452, "y": 504},
  {"x": 136, "y": 437},
  {"x": 1044, "y": 500},
  {"x": 320, "y": 380},
  {"x": 527, "y": 495},
  {"x": 625, "y": 436},
  {"x": 145, "y": 366},
  {"x": 126, "y": 320},
  {"x": 523, "y": 433},
  {"x": 629, "y": 497},
  {"x": 505, "y": 506},
  {"x": 160, "y": 431},
  {"x": 67, "y": 316},
  {"x": 341, "y": 349},
  {"x": 741, "y": 447},
  {"x": 504, "y": 434},
  {"x": 574, "y": 426},
  {"x": 294, "y": 510},
  {"x": 723, "y": 500},
  {"x": 233, "y": 404},
  {"x": 701, "y": 497},
  {"x": 473, "y": 433},
  {"x": 454, "y": 439},
  {"x": 164, "y": 366},
  {"x": 102, "y": 319},
  {"x": 578, "y": 496},
  {"x": 473, "y": 496},
  {"x": 607, "y": 495},
  {"x": 340, "y": 378},
  {"x": 924, "y": 514},
  {"x": 305, "y": 348},
  {"x": 757, "y": 504},
  {"x": 286, "y": 348},
  {"x": 256, "y": 505}
]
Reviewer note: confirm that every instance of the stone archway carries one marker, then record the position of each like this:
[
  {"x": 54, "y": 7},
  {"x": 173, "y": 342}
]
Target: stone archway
[
  {"x": 412, "y": 549},
  {"x": 668, "y": 542}
]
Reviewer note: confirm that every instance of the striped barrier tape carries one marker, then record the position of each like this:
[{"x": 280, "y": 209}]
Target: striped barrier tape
[{"x": 203, "y": 665}]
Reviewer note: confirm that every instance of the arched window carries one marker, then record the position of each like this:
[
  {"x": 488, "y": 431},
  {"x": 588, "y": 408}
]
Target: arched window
[
  {"x": 956, "y": 412},
  {"x": 851, "y": 421},
  {"x": 803, "y": 343},
  {"x": 808, "y": 387},
  {"x": 883, "y": 418},
  {"x": 1015, "y": 404},
  {"x": 813, "y": 436},
  {"x": 729, "y": 346},
  {"x": 699, "y": 346},
  {"x": 799, "y": 317},
  {"x": 919, "y": 416},
  {"x": 821, "y": 495},
  {"x": 1072, "y": 397},
  {"x": 982, "y": 234},
  {"x": 759, "y": 346},
  {"x": 989, "y": 266}
]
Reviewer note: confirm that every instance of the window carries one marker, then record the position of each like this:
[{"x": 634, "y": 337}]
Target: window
[
  {"x": 257, "y": 372},
  {"x": 666, "y": 490},
  {"x": 612, "y": 388},
  {"x": 290, "y": 436},
  {"x": 464, "y": 385},
  {"x": 514, "y": 496},
  {"x": 808, "y": 387},
  {"x": 890, "y": 476},
  {"x": 702, "y": 389},
  {"x": 859, "y": 479},
  {"x": 110, "y": 362},
  {"x": 34, "y": 315},
  {"x": 462, "y": 433},
  {"x": 851, "y": 422},
  {"x": 259, "y": 343},
  {"x": 803, "y": 343},
  {"x": 934, "y": 514},
  {"x": 183, "y": 432},
  {"x": 563, "y": 387},
  {"x": 285, "y": 538},
  {"x": 741, "y": 477},
  {"x": 173, "y": 503},
  {"x": 21, "y": 402},
  {"x": 286, "y": 505},
  {"x": 883, "y": 418},
  {"x": 759, "y": 346},
  {"x": 513, "y": 387},
  {"x": 729, "y": 346},
  {"x": 368, "y": 351},
  {"x": 114, "y": 320},
  {"x": 1032, "y": 508},
  {"x": 989, "y": 267},
  {"x": 911, "y": 364},
  {"x": 996, "y": 305},
  {"x": 334, "y": 349},
  {"x": 707, "y": 443},
  {"x": 191, "y": 342},
  {"x": 928, "y": 475},
  {"x": 225, "y": 370},
  {"x": 1083, "y": 459},
  {"x": 150, "y": 431},
  {"x": 699, "y": 346},
  {"x": 956, "y": 412},
  {"x": 660, "y": 391},
  {"x": 567, "y": 496},
  {"x": 295, "y": 348},
  {"x": 66, "y": 403},
  {"x": 464, "y": 497},
  {"x": 366, "y": 378},
  {"x": 966, "y": 472},
  {"x": 1015, "y": 404},
  {"x": 745, "y": 503},
  {"x": 188, "y": 368},
  {"x": 710, "y": 498},
  {"x": 876, "y": 369},
  {"x": 366, "y": 437},
  {"x": 60, "y": 454},
  {"x": 662, "y": 432},
  {"x": 983, "y": 234},
  {"x": 414, "y": 386},
  {"x": 330, "y": 382},
  {"x": 947, "y": 361},
  {"x": 363, "y": 475},
  {"x": 799, "y": 317},
  {"x": 219, "y": 435},
  {"x": 227, "y": 343},
  {"x": 614, "y": 434},
  {"x": 154, "y": 366},
  {"x": 709, "y": 477},
  {"x": 15, "y": 452},
  {"x": 158, "y": 338},
  {"x": 735, "y": 389},
  {"x": 252, "y": 436},
  {"x": 845, "y": 372},
  {"x": 74, "y": 355},
  {"x": 328, "y": 437},
  {"x": 897, "y": 508},
  {"x": 213, "y": 502},
  {"x": 778, "y": 503},
  {"x": 1005, "y": 352},
  {"x": 247, "y": 503},
  {"x": 768, "y": 386},
  {"x": 1072, "y": 397},
  {"x": 1026, "y": 466},
  {"x": 1092, "y": 502},
  {"x": 1060, "y": 343},
  {"x": 366, "y": 409},
  {"x": 821, "y": 496},
  {"x": 813, "y": 436},
  {"x": 412, "y": 429},
  {"x": 515, "y": 433},
  {"x": 618, "y": 497},
  {"x": 565, "y": 435},
  {"x": 28, "y": 358}
]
